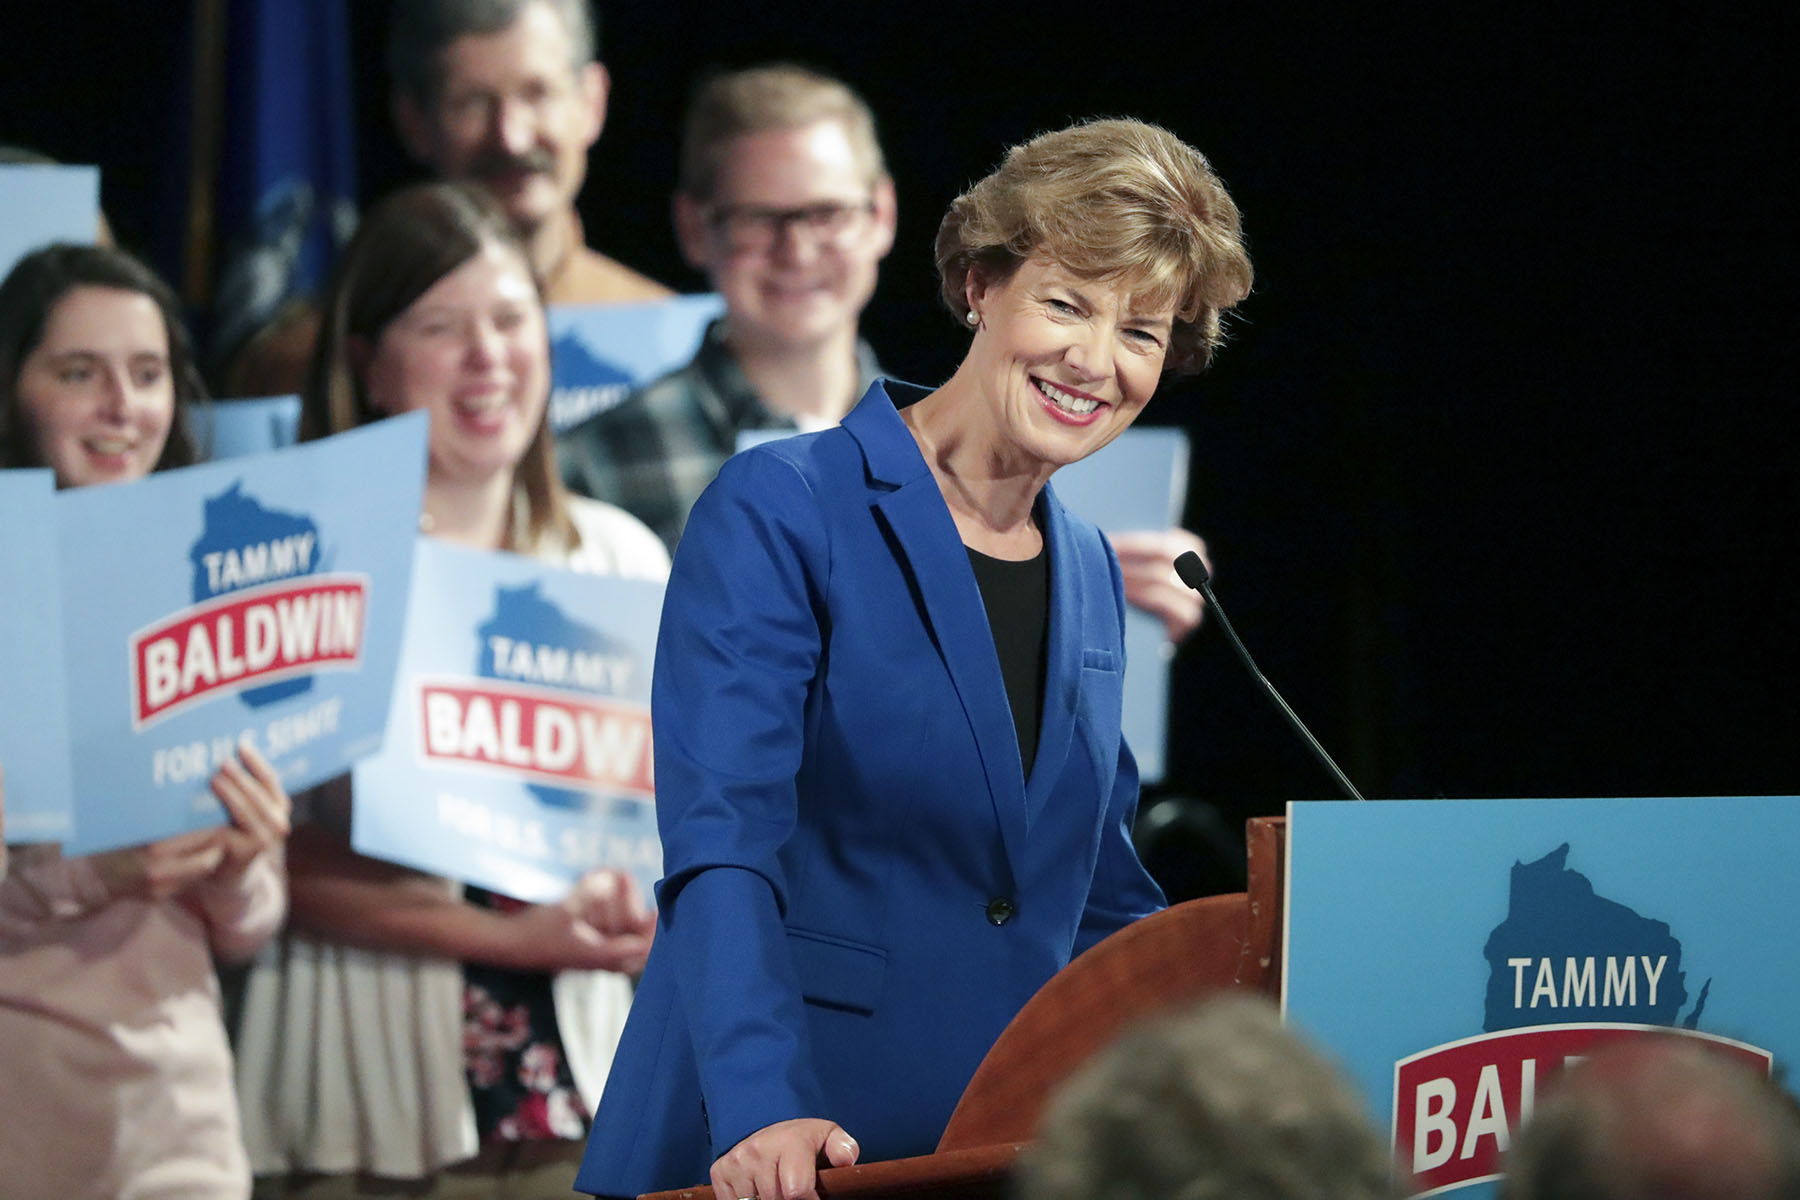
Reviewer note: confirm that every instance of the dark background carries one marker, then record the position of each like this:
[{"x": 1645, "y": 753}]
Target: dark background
[{"x": 1497, "y": 469}]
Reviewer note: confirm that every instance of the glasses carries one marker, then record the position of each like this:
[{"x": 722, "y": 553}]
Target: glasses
[{"x": 751, "y": 227}]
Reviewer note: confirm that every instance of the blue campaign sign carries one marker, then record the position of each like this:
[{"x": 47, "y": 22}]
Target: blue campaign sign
[
  {"x": 44, "y": 204},
  {"x": 1137, "y": 483},
  {"x": 518, "y": 753},
  {"x": 599, "y": 352},
  {"x": 232, "y": 428},
  {"x": 258, "y": 598},
  {"x": 34, "y": 709},
  {"x": 1452, "y": 954}
]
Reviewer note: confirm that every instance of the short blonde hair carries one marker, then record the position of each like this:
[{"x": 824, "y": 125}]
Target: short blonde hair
[
  {"x": 1113, "y": 199},
  {"x": 735, "y": 104}
]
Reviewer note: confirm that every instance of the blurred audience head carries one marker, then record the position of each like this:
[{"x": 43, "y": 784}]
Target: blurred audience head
[
  {"x": 785, "y": 203},
  {"x": 504, "y": 93},
  {"x": 24, "y": 156},
  {"x": 96, "y": 367},
  {"x": 434, "y": 307},
  {"x": 1110, "y": 200},
  {"x": 1218, "y": 1103},
  {"x": 733, "y": 104},
  {"x": 1658, "y": 1118}
]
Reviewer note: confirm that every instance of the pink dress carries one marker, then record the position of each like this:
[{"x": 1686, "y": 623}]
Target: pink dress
[{"x": 115, "y": 1074}]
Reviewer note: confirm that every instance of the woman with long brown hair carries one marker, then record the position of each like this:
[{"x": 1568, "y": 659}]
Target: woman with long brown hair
[{"x": 353, "y": 1067}]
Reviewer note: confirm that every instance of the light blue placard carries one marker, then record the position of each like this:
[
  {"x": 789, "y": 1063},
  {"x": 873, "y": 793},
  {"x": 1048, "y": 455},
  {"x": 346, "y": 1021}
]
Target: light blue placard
[
  {"x": 518, "y": 753},
  {"x": 1412, "y": 925},
  {"x": 1137, "y": 483},
  {"x": 261, "y": 597},
  {"x": 233, "y": 428},
  {"x": 599, "y": 352},
  {"x": 44, "y": 204},
  {"x": 34, "y": 707}
]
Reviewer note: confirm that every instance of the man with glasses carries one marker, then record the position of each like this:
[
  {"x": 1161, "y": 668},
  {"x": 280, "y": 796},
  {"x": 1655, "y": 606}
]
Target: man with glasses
[{"x": 783, "y": 200}]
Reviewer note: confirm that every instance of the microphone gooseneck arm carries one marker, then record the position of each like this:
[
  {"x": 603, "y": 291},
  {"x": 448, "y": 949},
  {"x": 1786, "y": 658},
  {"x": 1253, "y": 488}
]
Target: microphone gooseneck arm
[{"x": 1193, "y": 573}]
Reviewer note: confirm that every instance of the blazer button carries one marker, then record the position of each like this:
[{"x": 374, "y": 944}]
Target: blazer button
[{"x": 1000, "y": 910}]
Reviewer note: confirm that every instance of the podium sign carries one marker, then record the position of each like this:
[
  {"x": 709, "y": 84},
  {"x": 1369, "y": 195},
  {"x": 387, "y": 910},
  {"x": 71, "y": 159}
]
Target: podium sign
[{"x": 1453, "y": 954}]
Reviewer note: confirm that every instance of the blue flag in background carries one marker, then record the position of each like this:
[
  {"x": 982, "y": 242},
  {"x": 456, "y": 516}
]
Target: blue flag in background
[{"x": 287, "y": 159}]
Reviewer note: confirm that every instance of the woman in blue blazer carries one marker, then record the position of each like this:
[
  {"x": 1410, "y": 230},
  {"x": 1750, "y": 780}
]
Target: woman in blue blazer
[{"x": 893, "y": 795}]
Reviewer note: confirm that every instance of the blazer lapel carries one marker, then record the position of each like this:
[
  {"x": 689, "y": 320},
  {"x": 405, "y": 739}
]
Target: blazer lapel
[
  {"x": 934, "y": 557},
  {"x": 1062, "y": 668}
]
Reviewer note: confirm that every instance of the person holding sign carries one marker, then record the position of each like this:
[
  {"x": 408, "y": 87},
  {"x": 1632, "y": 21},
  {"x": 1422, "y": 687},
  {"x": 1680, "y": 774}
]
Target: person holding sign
[
  {"x": 891, "y": 787},
  {"x": 117, "y": 1076},
  {"x": 352, "y": 1052}
]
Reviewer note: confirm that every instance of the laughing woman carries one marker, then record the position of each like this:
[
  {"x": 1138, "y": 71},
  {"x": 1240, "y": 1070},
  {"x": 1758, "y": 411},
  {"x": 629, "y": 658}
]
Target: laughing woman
[
  {"x": 893, "y": 795},
  {"x": 115, "y": 1077},
  {"x": 408, "y": 1039}
]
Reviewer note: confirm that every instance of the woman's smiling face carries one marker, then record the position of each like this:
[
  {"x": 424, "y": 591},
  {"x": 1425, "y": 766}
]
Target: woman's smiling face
[
  {"x": 472, "y": 351},
  {"x": 96, "y": 391},
  {"x": 1067, "y": 362}
]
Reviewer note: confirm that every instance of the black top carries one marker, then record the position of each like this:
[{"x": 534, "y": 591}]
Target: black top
[{"x": 1017, "y": 598}]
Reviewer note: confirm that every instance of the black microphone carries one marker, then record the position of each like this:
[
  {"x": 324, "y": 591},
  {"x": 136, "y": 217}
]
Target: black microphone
[{"x": 1193, "y": 573}]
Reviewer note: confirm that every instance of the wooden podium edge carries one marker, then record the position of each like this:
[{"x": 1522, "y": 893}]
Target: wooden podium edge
[
  {"x": 978, "y": 1173},
  {"x": 1156, "y": 964},
  {"x": 1266, "y": 896},
  {"x": 1162, "y": 962}
]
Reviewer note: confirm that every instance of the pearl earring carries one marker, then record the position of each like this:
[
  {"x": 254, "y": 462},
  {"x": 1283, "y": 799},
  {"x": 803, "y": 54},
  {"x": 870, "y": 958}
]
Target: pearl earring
[{"x": 974, "y": 317}]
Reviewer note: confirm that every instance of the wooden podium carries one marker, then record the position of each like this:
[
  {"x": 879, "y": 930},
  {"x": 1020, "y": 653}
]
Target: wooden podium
[{"x": 1161, "y": 962}]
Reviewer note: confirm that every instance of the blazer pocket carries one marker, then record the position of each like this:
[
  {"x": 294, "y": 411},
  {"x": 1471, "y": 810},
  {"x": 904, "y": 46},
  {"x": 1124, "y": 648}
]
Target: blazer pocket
[
  {"x": 1099, "y": 660},
  {"x": 1097, "y": 712},
  {"x": 837, "y": 972}
]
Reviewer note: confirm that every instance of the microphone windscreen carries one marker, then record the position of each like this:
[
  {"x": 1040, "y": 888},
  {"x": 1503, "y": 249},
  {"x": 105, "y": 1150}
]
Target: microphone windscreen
[{"x": 1191, "y": 569}]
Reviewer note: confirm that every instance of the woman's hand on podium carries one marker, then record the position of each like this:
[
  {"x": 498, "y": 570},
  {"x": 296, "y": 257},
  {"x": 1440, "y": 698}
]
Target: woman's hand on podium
[{"x": 781, "y": 1161}]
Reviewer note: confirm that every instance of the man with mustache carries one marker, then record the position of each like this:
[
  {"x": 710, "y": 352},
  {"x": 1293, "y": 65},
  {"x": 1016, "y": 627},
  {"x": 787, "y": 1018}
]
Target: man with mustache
[{"x": 507, "y": 94}]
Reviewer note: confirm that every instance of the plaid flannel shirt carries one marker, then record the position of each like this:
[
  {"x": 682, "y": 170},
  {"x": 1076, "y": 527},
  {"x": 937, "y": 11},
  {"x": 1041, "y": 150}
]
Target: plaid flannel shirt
[{"x": 654, "y": 452}]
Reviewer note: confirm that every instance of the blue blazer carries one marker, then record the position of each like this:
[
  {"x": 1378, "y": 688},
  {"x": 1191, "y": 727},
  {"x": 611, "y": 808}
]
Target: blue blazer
[{"x": 861, "y": 887}]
